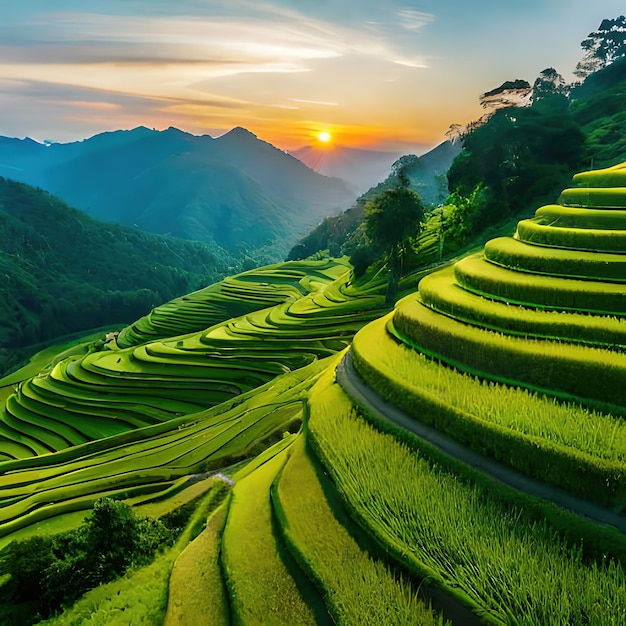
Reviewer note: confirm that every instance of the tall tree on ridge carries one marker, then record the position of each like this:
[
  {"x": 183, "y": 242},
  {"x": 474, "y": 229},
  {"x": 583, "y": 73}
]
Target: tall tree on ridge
[{"x": 391, "y": 219}]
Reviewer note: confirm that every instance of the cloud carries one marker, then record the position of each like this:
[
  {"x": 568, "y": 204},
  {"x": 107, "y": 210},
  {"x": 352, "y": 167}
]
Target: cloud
[
  {"x": 237, "y": 35},
  {"x": 92, "y": 97},
  {"x": 327, "y": 104},
  {"x": 417, "y": 63},
  {"x": 224, "y": 59},
  {"x": 414, "y": 20}
]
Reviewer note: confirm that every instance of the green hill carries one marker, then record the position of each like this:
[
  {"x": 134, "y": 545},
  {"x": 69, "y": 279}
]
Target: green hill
[
  {"x": 236, "y": 193},
  {"x": 63, "y": 272},
  {"x": 296, "y": 452}
]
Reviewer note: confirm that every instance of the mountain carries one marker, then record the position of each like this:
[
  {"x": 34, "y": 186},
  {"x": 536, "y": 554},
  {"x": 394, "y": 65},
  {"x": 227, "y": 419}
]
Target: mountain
[
  {"x": 62, "y": 271},
  {"x": 236, "y": 192},
  {"x": 427, "y": 177},
  {"x": 359, "y": 168}
]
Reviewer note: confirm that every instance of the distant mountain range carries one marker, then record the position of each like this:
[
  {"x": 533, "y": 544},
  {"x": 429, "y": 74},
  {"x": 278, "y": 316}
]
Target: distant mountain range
[
  {"x": 236, "y": 192},
  {"x": 361, "y": 169}
]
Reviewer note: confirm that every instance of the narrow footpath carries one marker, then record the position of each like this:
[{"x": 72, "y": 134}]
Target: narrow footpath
[{"x": 350, "y": 381}]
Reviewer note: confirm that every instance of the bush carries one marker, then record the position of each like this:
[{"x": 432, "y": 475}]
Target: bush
[{"x": 52, "y": 572}]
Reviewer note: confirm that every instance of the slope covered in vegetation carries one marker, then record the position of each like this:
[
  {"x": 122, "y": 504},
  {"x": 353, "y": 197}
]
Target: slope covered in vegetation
[
  {"x": 236, "y": 193},
  {"x": 62, "y": 272},
  {"x": 459, "y": 460}
]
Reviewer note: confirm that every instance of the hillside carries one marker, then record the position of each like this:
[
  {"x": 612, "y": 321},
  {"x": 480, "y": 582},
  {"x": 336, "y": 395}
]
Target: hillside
[
  {"x": 62, "y": 272},
  {"x": 457, "y": 460},
  {"x": 597, "y": 105},
  {"x": 235, "y": 192},
  {"x": 427, "y": 176}
]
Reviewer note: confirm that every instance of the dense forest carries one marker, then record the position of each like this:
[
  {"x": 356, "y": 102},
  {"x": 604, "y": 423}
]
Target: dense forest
[{"x": 62, "y": 271}]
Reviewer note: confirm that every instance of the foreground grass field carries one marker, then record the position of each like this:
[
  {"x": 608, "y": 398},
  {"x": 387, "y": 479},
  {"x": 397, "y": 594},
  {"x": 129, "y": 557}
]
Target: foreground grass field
[{"x": 487, "y": 554}]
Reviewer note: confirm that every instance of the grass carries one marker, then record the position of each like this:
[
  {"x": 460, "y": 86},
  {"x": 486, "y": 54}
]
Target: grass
[
  {"x": 305, "y": 503},
  {"x": 518, "y": 255},
  {"x": 440, "y": 292},
  {"x": 259, "y": 574},
  {"x": 140, "y": 596},
  {"x": 609, "y": 177},
  {"x": 479, "y": 276},
  {"x": 78, "y": 343},
  {"x": 563, "y": 369},
  {"x": 568, "y": 424},
  {"x": 232, "y": 297},
  {"x": 106, "y": 393},
  {"x": 196, "y": 588},
  {"x": 538, "y": 232},
  {"x": 501, "y": 421},
  {"x": 601, "y": 197},
  {"x": 583, "y": 218},
  {"x": 510, "y": 569},
  {"x": 149, "y": 460}
]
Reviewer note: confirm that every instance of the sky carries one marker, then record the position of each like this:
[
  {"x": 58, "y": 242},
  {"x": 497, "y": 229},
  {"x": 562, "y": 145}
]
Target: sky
[{"x": 390, "y": 75}]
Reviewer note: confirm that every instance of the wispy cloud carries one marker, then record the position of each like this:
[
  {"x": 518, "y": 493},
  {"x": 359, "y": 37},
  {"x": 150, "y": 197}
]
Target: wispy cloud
[
  {"x": 326, "y": 104},
  {"x": 205, "y": 60},
  {"x": 417, "y": 62},
  {"x": 414, "y": 20}
]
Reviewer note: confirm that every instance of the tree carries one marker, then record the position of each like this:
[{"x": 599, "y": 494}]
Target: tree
[
  {"x": 521, "y": 156},
  {"x": 391, "y": 218},
  {"x": 602, "y": 47},
  {"x": 549, "y": 83}
]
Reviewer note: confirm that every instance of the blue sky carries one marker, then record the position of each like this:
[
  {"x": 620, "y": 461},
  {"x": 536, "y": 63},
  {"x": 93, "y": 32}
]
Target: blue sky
[{"x": 390, "y": 75}]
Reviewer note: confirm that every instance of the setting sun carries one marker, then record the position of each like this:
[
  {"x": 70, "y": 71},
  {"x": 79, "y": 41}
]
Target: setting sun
[{"x": 324, "y": 137}]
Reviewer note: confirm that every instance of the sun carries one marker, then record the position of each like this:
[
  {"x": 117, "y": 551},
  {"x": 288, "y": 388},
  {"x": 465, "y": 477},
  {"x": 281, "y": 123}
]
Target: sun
[{"x": 324, "y": 136}]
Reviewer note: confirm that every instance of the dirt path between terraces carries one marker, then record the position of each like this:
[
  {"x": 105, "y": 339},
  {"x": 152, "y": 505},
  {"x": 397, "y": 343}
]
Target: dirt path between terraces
[{"x": 350, "y": 381}]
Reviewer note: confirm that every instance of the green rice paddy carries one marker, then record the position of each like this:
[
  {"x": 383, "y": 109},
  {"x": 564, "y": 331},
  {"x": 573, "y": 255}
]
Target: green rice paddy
[
  {"x": 507, "y": 568},
  {"x": 306, "y": 511}
]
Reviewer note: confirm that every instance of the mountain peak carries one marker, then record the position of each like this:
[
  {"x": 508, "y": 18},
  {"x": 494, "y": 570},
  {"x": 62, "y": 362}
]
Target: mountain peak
[
  {"x": 239, "y": 133},
  {"x": 172, "y": 130}
]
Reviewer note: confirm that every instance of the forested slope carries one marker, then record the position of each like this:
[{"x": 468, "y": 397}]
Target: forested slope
[{"x": 62, "y": 271}]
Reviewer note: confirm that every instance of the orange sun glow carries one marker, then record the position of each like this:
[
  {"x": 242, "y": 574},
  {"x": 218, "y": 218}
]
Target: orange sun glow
[{"x": 324, "y": 137}]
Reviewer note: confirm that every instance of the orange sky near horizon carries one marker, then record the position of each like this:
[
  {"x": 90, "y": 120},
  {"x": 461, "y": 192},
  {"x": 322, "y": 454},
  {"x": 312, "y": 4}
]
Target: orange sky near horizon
[{"x": 388, "y": 76}]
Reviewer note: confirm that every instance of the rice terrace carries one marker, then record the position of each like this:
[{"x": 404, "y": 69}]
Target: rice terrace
[
  {"x": 226, "y": 404},
  {"x": 375, "y": 376}
]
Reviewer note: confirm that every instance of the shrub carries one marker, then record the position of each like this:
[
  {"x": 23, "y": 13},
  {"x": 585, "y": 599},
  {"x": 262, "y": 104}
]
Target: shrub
[{"x": 55, "y": 571}]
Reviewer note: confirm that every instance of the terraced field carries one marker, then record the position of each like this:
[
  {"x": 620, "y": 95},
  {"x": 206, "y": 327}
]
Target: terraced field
[
  {"x": 315, "y": 504},
  {"x": 139, "y": 420},
  {"x": 113, "y": 391},
  {"x": 152, "y": 422}
]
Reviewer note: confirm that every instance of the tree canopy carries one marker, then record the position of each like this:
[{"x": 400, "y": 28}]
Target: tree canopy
[
  {"x": 603, "y": 46},
  {"x": 391, "y": 218}
]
